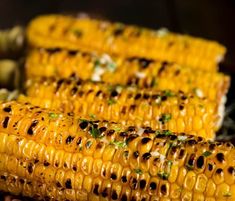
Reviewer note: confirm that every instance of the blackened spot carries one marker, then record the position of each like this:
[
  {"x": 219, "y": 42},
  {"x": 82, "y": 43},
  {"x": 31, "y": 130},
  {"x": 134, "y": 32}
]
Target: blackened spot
[
  {"x": 145, "y": 140},
  {"x": 137, "y": 96},
  {"x": 181, "y": 107},
  {"x": 53, "y": 50},
  {"x": 136, "y": 154},
  {"x": 5, "y": 122},
  {"x": 220, "y": 157},
  {"x": 143, "y": 199},
  {"x": 68, "y": 184},
  {"x": 132, "y": 107},
  {"x": 83, "y": 124},
  {"x": 142, "y": 184},
  {"x": 73, "y": 91},
  {"x": 133, "y": 199},
  {"x": 96, "y": 189},
  {"x": 59, "y": 83},
  {"x": 153, "y": 186},
  {"x": 72, "y": 52},
  {"x": 124, "y": 197},
  {"x": 134, "y": 183},
  {"x": 30, "y": 168},
  {"x": 163, "y": 189},
  {"x": 69, "y": 139},
  {"x": 3, "y": 177},
  {"x": 31, "y": 127},
  {"x": 104, "y": 193},
  {"x": 164, "y": 98},
  {"x": 7, "y": 109},
  {"x": 114, "y": 93},
  {"x": 123, "y": 111},
  {"x": 131, "y": 128},
  {"x": 123, "y": 134},
  {"x": 210, "y": 167},
  {"x": 212, "y": 147},
  {"x": 104, "y": 173},
  {"x": 219, "y": 171},
  {"x": 146, "y": 96},
  {"x": 46, "y": 163},
  {"x": 114, "y": 195},
  {"x": 149, "y": 130},
  {"x": 110, "y": 132},
  {"x": 146, "y": 156},
  {"x": 113, "y": 176},
  {"x": 102, "y": 129},
  {"x": 200, "y": 161},
  {"x": 98, "y": 93},
  {"x": 192, "y": 142},
  {"x": 184, "y": 97},
  {"x": 144, "y": 63},
  {"x": 173, "y": 137},
  {"x": 231, "y": 170},
  {"x": 58, "y": 184},
  {"x": 118, "y": 31},
  {"x": 21, "y": 181},
  {"x": 177, "y": 72},
  {"x": 124, "y": 179},
  {"x": 79, "y": 141}
]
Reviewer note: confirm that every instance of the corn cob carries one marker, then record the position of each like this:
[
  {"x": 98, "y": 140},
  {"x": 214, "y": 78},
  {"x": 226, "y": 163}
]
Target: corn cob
[
  {"x": 178, "y": 112},
  {"x": 141, "y": 72},
  {"x": 57, "y": 31},
  {"x": 151, "y": 165}
]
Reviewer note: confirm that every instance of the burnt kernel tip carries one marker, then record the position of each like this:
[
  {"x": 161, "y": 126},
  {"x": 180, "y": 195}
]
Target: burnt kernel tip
[{"x": 68, "y": 184}]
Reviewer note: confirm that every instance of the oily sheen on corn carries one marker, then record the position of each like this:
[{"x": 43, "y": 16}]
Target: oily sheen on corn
[
  {"x": 177, "y": 112},
  {"x": 53, "y": 156},
  {"x": 144, "y": 73},
  {"x": 58, "y": 31}
]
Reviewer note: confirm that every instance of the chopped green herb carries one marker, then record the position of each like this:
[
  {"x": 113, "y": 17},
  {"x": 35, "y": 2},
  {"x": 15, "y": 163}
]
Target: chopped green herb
[
  {"x": 158, "y": 132},
  {"x": 88, "y": 144},
  {"x": 166, "y": 132},
  {"x": 165, "y": 118},
  {"x": 153, "y": 82},
  {"x": 138, "y": 171},
  {"x": 163, "y": 175},
  {"x": 207, "y": 153},
  {"x": 201, "y": 106},
  {"x": 92, "y": 116},
  {"x": 227, "y": 194},
  {"x": 95, "y": 133},
  {"x": 126, "y": 154},
  {"x": 53, "y": 115},
  {"x": 189, "y": 167},
  {"x": 80, "y": 148},
  {"x": 168, "y": 93},
  {"x": 77, "y": 32},
  {"x": 83, "y": 120},
  {"x": 117, "y": 129},
  {"x": 111, "y": 66},
  {"x": 169, "y": 163},
  {"x": 111, "y": 101},
  {"x": 97, "y": 63},
  {"x": 120, "y": 144}
]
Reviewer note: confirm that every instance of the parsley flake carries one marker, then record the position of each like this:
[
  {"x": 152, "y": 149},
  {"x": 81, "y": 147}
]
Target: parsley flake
[{"x": 207, "y": 153}]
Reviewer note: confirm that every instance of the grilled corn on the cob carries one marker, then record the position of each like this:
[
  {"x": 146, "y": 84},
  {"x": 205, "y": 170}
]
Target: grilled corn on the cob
[
  {"x": 144, "y": 73},
  {"x": 178, "y": 112},
  {"x": 57, "y": 31},
  {"x": 48, "y": 156}
]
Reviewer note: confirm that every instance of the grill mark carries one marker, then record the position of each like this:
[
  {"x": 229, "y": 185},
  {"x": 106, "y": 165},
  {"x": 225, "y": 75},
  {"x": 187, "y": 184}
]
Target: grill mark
[{"x": 5, "y": 122}]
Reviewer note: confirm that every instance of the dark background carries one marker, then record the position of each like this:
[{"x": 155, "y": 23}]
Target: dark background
[{"x": 211, "y": 19}]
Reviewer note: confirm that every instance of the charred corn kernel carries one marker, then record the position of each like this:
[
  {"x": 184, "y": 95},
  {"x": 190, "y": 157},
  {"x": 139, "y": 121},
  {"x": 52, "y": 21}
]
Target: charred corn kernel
[
  {"x": 144, "y": 73},
  {"x": 145, "y": 173},
  {"x": 100, "y": 100},
  {"x": 57, "y": 31}
]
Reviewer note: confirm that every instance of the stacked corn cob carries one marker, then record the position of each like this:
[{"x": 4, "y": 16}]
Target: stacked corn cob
[
  {"x": 55, "y": 156},
  {"x": 123, "y": 131},
  {"x": 71, "y": 33},
  {"x": 178, "y": 112}
]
